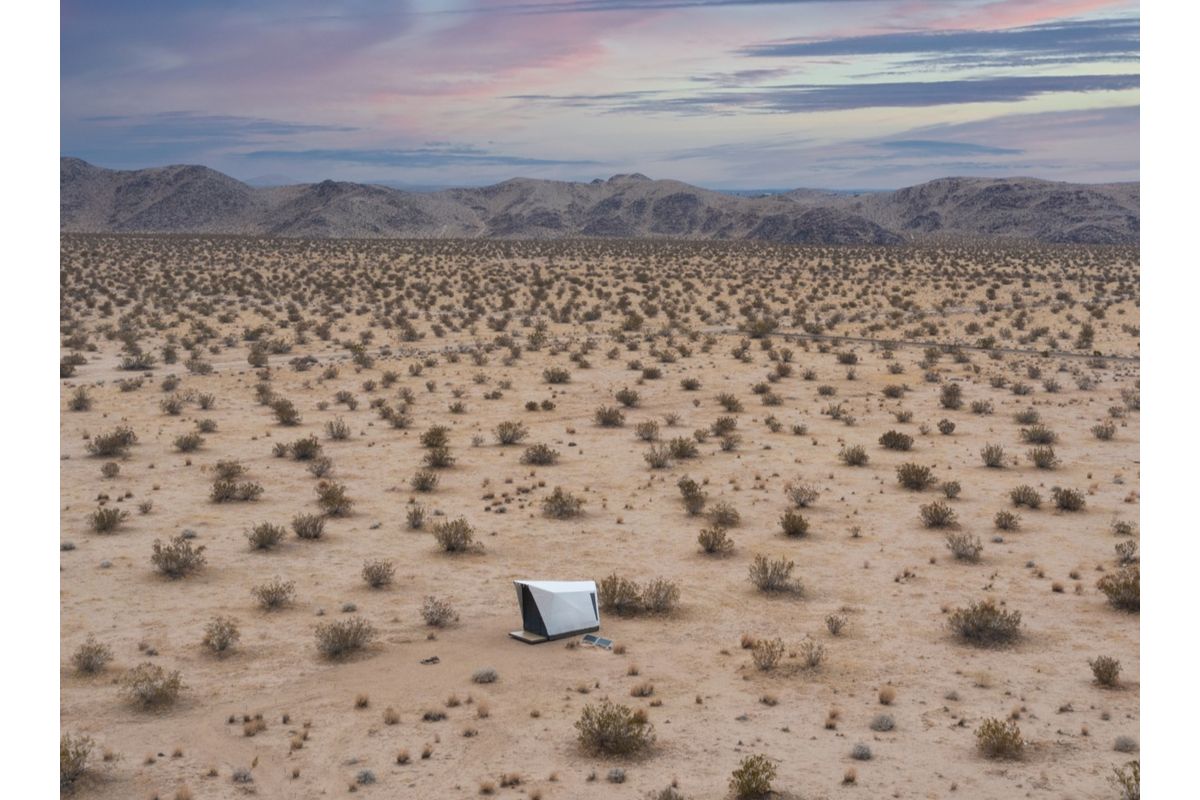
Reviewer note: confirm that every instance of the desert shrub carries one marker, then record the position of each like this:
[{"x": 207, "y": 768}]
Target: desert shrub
[
  {"x": 228, "y": 491},
  {"x": 753, "y": 777},
  {"x": 1105, "y": 431},
  {"x": 694, "y": 498},
  {"x": 683, "y": 448},
  {"x": 220, "y": 634},
  {"x": 320, "y": 467},
  {"x": 378, "y": 574},
  {"x": 951, "y": 489},
  {"x": 265, "y": 535},
  {"x": 91, "y": 656},
  {"x": 811, "y": 654},
  {"x": 206, "y": 426},
  {"x": 802, "y": 495},
  {"x": 1126, "y": 552},
  {"x": 1106, "y": 670},
  {"x": 794, "y": 525},
  {"x": 729, "y": 402},
  {"x": 424, "y": 480},
  {"x": 172, "y": 405},
  {"x": 332, "y": 498},
  {"x": 454, "y": 536},
  {"x": 715, "y": 540},
  {"x": 999, "y": 739},
  {"x": 610, "y": 729},
  {"x": 774, "y": 575},
  {"x": 107, "y": 520},
  {"x": 150, "y": 686},
  {"x": 984, "y": 622},
  {"x": 915, "y": 476},
  {"x": 228, "y": 470},
  {"x": 435, "y": 436},
  {"x": 342, "y": 637},
  {"x": 1007, "y": 520},
  {"x": 415, "y": 517},
  {"x": 690, "y": 384},
  {"x": 981, "y": 407},
  {"x": 1067, "y": 499},
  {"x": 951, "y": 396},
  {"x": 177, "y": 558},
  {"x": 285, "y": 411},
  {"x": 1038, "y": 434},
  {"x": 724, "y": 515},
  {"x": 337, "y": 429},
  {"x": 938, "y": 515},
  {"x": 895, "y": 440},
  {"x": 723, "y": 425},
  {"x": 646, "y": 431},
  {"x": 1043, "y": 457},
  {"x": 274, "y": 594},
  {"x": 767, "y": 653},
  {"x": 658, "y": 457},
  {"x": 854, "y": 455},
  {"x": 81, "y": 400},
  {"x": 619, "y": 595},
  {"x": 541, "y": 455},
  {"x": 114, "y": 443},
  {"x": 946, "y": 427},
  {"x": 308, "y": 526},
  {"x": 1127, "y": 780},
  {"x": 964, "y": 546},
  {"x": 860, "y": 752},
  {"x": 659, "y": 596},
  {"x": 438, "y": 458},
  {"x": 73, "y": 755},
  {"x": 305, "y": 449},
  {"x": 1123, "y": 588},
  {"x": 609, "y": 417},
  {"x": 1025, "y": 495},
  {"x": 992, "y": 455},
  {"x": 882, "y": 723},
  {"x": 556, "y": 375},
  {"x": 627, "y": 397},
  {"x": 485, "y": 675},
  {"x": 511, "y": 432},
  {"x": 561, "y": 504}
]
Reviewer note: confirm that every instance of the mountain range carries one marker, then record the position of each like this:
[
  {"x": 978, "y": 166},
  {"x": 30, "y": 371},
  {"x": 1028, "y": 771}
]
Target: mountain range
[{"x": 196, "y": 199}]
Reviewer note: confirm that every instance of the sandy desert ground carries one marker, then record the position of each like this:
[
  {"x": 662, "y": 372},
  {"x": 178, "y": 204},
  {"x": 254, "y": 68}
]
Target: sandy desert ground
[{"x": 821, "y": 350}]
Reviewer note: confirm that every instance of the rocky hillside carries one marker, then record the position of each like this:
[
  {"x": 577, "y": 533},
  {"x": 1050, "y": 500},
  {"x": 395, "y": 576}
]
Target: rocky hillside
[{"x": 191, "y": 199}]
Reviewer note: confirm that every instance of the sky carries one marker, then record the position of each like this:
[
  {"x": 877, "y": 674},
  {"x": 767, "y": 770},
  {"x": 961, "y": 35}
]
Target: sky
[{"x": 734, "y": 94}]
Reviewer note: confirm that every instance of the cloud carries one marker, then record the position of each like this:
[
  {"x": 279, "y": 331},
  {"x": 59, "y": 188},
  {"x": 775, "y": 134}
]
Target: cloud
[
  {"x": 412, "y": 158},
  {"x": 599, "y": 6},
  {"x": 1100, "y": 39},
  {"x": 794, "y": 98},
  {"x": 932, "y": 147}
]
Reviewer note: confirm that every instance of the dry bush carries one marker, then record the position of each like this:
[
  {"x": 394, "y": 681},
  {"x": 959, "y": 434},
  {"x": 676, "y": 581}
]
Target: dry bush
[
  {"x": 915, "y": 476},
  {"x": 1025, "y": 495},
  {"x": 378, "y": 574},
  {"x": 811, "y": 654},
  {"x": 951, "y": 397},
  {"x": 561, "y": 504},
  {"x": 220, "y": 634},
  {"x": 854, "y": 455},
  {"x": 985, "y": 623},
  {"x": 1067, "y": 499},
  {"x": 308, "y": 526},
  {"x": 541, "y": 455},
  {"x": 610, "y": 729},
  {"x": 1106, "y": 670},
  {"x": 659, "y": 596},
  {"x": 343, "y": 637},
  {"x": 107, "y": 520},
  {"x": 992, "y": 455},
  {"x": 938, "y": 515},
  {"x": 438, "y": 458},
  {"x": 188, "y": 442},
  {"x": 1123, "y": 588},
  {"x": 999, "y": 739},
  {"x": 150, "y": 686},
  {"x": 802, "y": 495},
  {"x": 556, "y": 375},
  {"x": 114, "y": 443},
  {"x": 73, "y": 755},
  {"x": 1127, "y": 780},
  {"x": 508, "y": 433},
  {"x": 437, "y": 613},
  {"x": 794, "y": 524},
  {"x": 964, "y": 546},
  {"x": 332, "y": 498},
  {"x": 724, "y": 515},
  {"x": 454, "y": 536},
  {"x": 774, "y": 575},
  {"x": 91, "y": 656},
  {"x": 895, "y": 440},
  {"x": 485, "y": 675},
  {"x": 1007, "y": 520},
  {"x": 265, "y": 535},
  {"x": 752, "y": 779},
  {"x": 619, "y": 595},
  {"x": 305, "y": 449},
  {"x": 609, "y": 417},
  {"x": 946, "y": 427},
  {"x": 834, "y": 623},
  {"x": 337, "y": 429},
  {"x": 1038, "y": 434},
  {"x": 224, "y": 491},
  {"x": 275, "y": 593},
  {"x": 767, "y": 653},
  {"x": 715, "y": 540},
  {"x": 285, "y": 412},
  {"x": 177, "y": 558},
  {"x": 424, "y": 480},
  {"x": 1043, "y": 457}
]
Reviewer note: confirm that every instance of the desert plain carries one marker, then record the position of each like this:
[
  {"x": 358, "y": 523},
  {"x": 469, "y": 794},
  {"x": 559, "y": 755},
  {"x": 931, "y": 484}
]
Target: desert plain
[{"x": 226, "y": 392}]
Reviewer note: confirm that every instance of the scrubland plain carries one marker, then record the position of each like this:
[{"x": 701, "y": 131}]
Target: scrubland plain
[{"x": 880, "y": 506}]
